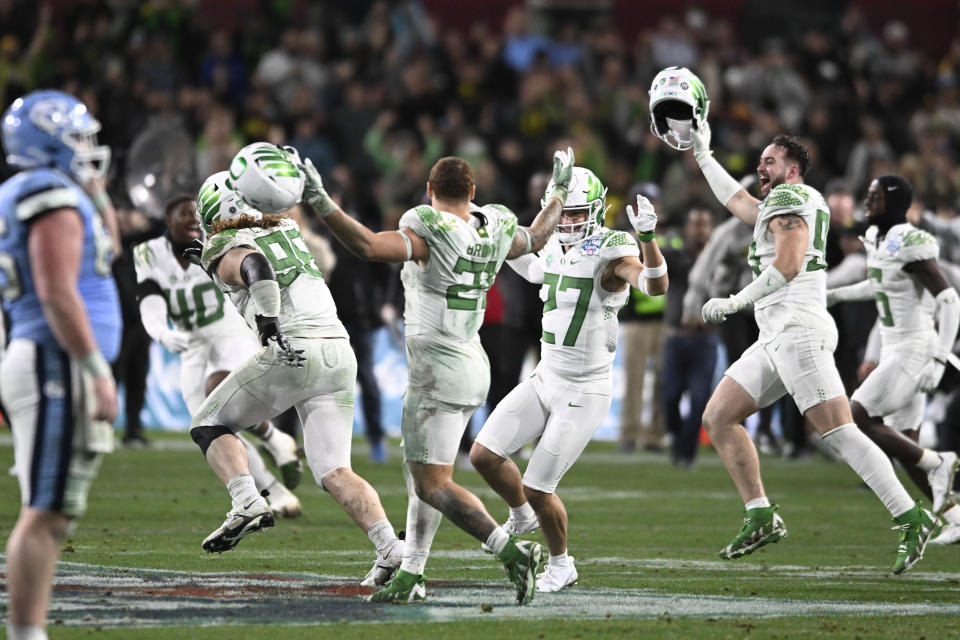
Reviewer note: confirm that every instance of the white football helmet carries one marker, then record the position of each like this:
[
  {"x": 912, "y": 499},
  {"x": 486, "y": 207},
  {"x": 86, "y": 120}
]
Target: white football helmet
[
  {"x": 586, "y": 193},
  {"x": 678, "y": 104},
  {"x": 266, "y": 177},
  {"x": 218, "y": 201}
]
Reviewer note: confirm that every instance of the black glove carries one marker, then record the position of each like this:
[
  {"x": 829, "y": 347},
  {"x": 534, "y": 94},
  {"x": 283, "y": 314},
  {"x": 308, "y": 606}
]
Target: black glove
[
  {"x": 193, "y": 253},
  {"x": 269, "y": 329}
]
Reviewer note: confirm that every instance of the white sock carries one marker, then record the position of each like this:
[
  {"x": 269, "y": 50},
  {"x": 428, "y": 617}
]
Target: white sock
[
  {"x": 422, "y": 524},
  {"x": 872, "y": 465},
  {"x": 523, "y": 513},
  {"x": 242, "y": 490},
  {"x": 382, "y": 536},
  {"x": 758, "y": 503},
  {"x": 498, "y": 540},
  {"x": 929, "y": 460},
  {"x": 559, "y": 561},
  {"x": 26, "y": 632},
  {"x": 952, "y": 515}
]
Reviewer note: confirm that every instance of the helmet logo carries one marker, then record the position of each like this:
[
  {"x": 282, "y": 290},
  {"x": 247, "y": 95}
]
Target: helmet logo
[{"x": 237, "y": 167}]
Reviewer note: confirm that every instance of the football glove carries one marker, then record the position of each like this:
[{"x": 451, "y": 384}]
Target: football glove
[
  {"x": 930, "y": 375},
  {"x": 562, "y": 174},
  {"x": 270, "y": 337},
  {"x": 644, "y": 220},
  {"x": 716, "y": 310},
  {"x": 313, "y": 192},
  {"x": 701, "y": 140},
  {"x": 194, "y": 252},
  {"x": 174, "y": 341}
]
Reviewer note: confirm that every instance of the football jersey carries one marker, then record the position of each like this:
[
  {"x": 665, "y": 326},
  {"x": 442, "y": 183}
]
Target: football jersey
[
  {"x": 802, "y": 301},
  {"x": 904, "y": 305},
  {"x": 580, "y": 328},
  {"x": 447, "y": 296},
  {"x": 195, "y": 304},
  {"x": 306, "y": 306},
  {"x": 24, "y": 198}
]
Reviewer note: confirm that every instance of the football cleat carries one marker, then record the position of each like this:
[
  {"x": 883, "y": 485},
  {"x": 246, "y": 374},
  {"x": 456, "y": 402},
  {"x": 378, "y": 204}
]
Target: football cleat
[
  {"x": 281, "y": 450},
  {"x": 283, "y": 503},
  {"x": 522, "y": 559},
  {"x": 239, "y": 523},
  {"x": 941, "y": 479},
  {"x": 404, "y": 587},
  {"x": 916, "y": 527},
  {"x": 949, "y": 534},
  {"x": 760, "y": 526},
  {"x": 515, "y": 527},
  {"x": 557, "y": 577},
  {"x": 384, "y": 567}
]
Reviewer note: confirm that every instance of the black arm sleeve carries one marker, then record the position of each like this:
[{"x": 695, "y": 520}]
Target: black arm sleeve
[
  {"x": 148, "y": 288},
  {"x": 255, "y": 267}
]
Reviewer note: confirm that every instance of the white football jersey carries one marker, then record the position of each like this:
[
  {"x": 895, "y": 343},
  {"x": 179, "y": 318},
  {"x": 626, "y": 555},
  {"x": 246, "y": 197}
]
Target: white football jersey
[
  {"x": 306, "y": 306},
  {"x": 803, "y": 301},
  {"x": 195, "y": 304},
  {"x": 580, "y": 328},
  {"x": 448, "y": 295},
  {"x": 904, "y": 305}
]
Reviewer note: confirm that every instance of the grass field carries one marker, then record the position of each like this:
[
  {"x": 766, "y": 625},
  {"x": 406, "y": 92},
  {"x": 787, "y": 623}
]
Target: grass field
[{"x": 644, "y": 534}]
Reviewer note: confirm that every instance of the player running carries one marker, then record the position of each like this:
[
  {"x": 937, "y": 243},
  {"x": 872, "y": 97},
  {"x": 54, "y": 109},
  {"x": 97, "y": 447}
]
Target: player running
[
  {"x": 208, "y": 333},
  {"x": 451, "y": 252},
  {"x": 586, "y": 271},
  {"x": 261, "y": 262}
]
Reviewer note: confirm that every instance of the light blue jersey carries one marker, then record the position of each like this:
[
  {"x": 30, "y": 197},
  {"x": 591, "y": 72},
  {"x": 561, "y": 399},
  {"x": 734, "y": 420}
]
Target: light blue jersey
[{"x": 24, "y": 198}]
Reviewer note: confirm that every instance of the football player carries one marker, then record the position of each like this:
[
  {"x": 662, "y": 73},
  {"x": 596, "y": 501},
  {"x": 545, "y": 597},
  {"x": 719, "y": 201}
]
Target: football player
[
  {"x": 55, "y": 380},
  {"x": 794, "y": 353},
  {"x": 586, "y": 271},
  {"x": 910, "y": 292},
  {"x": 210, "y": 336},
  {"x": 451, "y": 251},
  {"x": 261, "y": 262}
]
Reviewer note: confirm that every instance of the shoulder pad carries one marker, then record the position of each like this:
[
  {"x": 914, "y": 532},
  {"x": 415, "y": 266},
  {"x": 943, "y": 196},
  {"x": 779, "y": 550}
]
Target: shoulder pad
[
  {"x": 216, "y": 246},
  {"x": 424, "y": 218},
  {"x": 786, "y": 195},
  {"x": 617, "y": 239},
  {"x": 143, "y": 255},
  {"x": 43, "y": 190},
  {"x": 917, "y": 237}
]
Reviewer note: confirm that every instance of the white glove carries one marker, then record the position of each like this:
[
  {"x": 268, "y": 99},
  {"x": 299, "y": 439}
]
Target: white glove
[
  {"x": 716, "y": 310},
  {"x": 313, "y": 192},
  {"x": 174, "y": 341},
  {"x": 930, "y": 375},
  {"x": 832, "y": 298},
  {"x": 701, "y": 140},
  {"x": 644, "y": 220},
  {"x": 562, "y": 174}
]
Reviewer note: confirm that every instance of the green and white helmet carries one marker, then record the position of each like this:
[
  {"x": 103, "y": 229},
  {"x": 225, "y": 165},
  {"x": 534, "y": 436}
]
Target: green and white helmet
[
  {"x": 266, "y": 177},
  {"x": 586, "y": 193},
  {"x": 218, "y": 201},
  {"x": 678, "y": 105}
]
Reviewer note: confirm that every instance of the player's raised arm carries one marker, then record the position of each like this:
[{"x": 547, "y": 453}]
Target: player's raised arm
[
  {"x": 727, "y": 190},
  {"x": 360, "y": 240},
  {"x": 534, "y": 237},
  {"x": 649, "y": 276}
]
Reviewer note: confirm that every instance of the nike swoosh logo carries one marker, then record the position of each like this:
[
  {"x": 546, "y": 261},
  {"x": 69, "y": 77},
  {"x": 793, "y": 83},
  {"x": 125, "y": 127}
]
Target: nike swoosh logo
[
  {"x": 579, "y": 406},
  {"x": 891, "y": 188},
  {"x": 247, "y": 506}
]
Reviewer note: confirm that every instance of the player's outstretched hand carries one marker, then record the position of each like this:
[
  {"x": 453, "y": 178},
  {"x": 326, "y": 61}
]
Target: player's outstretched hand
[
  {"x": 562, "y": 174},
  {"x": 716, "y": 310},
  {"x": 644, "y": 219},
  {"x": 930, "y": 376},
  {"x": 701, "y": 139},
  {"x": 313, "y": 192}
]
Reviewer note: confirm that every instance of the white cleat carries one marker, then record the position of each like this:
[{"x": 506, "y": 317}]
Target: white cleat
[
  {"x": 950, "y": 534},
  {"x": 384, "y": 567},
  {"x": 515, "y": 527},
  {"x": 283, "y": 503},
  {"x": 555, "y": 578},
  {"x": 240, "y": 523},
  {"x": 941, "y": 479}
]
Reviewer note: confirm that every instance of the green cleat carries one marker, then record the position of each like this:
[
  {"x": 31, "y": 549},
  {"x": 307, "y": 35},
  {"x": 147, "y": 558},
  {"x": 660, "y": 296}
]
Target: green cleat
[
  {"x": 522, "y": 559},
  {"x": 916, "y": 527},
  {"x": 403, "y": 588},
  {"x": 760, "y": 526}
]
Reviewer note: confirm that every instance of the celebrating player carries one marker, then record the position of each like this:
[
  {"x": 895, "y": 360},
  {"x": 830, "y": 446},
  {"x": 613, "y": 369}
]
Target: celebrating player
[
  {"x": 64, "y": 311},
  {"x": 451, "y": 252},
  {"x": 208, "y": 333},
  {"x": 586, "y": 271},
  {"x": 794, "y": 353}
]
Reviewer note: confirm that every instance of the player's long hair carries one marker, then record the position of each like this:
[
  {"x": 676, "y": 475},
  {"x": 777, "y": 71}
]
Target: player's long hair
[{"x": 267, "y": 221}]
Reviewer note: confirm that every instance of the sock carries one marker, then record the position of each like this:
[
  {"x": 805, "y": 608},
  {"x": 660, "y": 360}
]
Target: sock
[
  {"x": 929, "y": 460},
  {"x": 559, "y": 561},
  {"x": 26, "y": 632},
  {"x": 242, "y": 490},
  {"x": 422, "y": 524},
  {"x": 269, "y": 432},
  {"x": 952, "y": 515},
  {"x": 382, "y": 536},
  {"x": 498, "y": 540},
  {"x": 872, "y": 465},
  {"x": 262, "y": 477},
  {"x": 758, "y": 503},
  {"x": 523, "y": 513}
]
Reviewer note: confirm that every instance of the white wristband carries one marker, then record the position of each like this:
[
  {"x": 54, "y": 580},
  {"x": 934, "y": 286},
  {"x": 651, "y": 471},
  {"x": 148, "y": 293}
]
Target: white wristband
[
  {"x": 407, "y": 243},
  {"x": 721, "y": 183},
  {"x": 96, "y": 365},
  {"x": 655, "y": 272},
  {"x": 526, "y": 234}
]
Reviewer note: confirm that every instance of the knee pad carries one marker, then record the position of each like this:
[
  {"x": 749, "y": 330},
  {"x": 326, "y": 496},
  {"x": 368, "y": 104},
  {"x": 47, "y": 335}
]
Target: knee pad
[{"x": 205, "y": 435}]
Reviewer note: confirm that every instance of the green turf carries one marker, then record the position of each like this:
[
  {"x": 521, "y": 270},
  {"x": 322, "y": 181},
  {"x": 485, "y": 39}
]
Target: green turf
[{"x": 635, "y": 523}]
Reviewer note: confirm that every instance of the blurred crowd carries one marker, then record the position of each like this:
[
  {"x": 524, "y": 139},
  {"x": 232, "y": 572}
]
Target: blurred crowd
[{"x": 375, "y": 92}]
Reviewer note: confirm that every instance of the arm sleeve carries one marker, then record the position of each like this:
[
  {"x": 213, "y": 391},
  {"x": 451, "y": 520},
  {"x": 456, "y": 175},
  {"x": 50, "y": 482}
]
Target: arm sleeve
[
  {"x": 851, "y": 292},
  {"x": 529, "y": 267},
  {"x": 852, "y": 269},
  {"x": 153, "y": 314},
  {"x": 872, "y": 351},
  {"x": 948, "y": 311}
]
